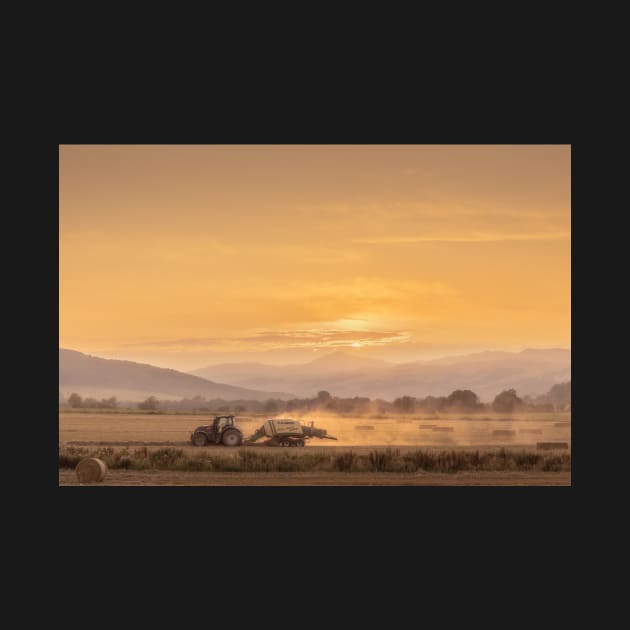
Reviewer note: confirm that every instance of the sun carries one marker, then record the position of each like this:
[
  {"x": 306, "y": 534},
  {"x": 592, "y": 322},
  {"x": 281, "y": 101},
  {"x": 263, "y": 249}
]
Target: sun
[{"x": 356, "y": 344}]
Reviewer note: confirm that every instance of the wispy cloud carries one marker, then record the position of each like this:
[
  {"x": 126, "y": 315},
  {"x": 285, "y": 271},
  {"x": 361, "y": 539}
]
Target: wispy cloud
[
  {"x": 192, "y": 341},
  {"x": 466, "y": 238},
  {"x": 270, "y": 339}
]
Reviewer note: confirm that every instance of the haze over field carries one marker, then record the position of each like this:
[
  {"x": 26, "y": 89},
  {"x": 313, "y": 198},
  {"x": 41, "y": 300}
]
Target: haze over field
[{"x": 251, "y": 265}]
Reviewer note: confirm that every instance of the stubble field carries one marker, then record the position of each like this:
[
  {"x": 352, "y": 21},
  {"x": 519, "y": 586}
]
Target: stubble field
[{"x": 421, "y": 449}]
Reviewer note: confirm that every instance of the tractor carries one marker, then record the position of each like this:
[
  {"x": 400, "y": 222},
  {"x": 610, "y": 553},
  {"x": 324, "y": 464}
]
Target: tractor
[{"x": 221, "y": 431}]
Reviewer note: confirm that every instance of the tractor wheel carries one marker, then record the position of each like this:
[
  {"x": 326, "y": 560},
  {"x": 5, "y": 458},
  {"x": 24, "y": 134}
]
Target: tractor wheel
[
  {"x": 285, "y": 442},
  {"x": 300, "y": 443},
  {"x": 200, "y": 439},
  {"x": 231, "y": 438}
]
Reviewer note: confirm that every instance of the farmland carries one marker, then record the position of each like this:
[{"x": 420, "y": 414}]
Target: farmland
[{"x": 405, "y": 438}]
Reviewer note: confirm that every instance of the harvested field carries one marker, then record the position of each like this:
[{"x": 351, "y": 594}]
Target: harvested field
[
  {"x": 503, "y": 433},
  {"x": 124, "y": 428},
  {"x": 152, "y": 449}
]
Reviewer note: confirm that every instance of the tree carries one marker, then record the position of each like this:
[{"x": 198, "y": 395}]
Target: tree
[
  {"x": 109, "y": 403},
  {"x": 151, "y": 404},
  {"x": 506, "y": 401},
  {"x": 323, "y": 396},
  {"x": 432, "y": 404},
  {"x": 560, "y": 395},
  {"x": 406, "y": 404},
  {"x": 271, "y": 406},
  {"x": 463, "y": 399},
  {"x": 75, "y": 400}
]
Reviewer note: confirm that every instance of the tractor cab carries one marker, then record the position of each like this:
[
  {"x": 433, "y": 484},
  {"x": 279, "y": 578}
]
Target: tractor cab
[{"x": 222, "y": 422}]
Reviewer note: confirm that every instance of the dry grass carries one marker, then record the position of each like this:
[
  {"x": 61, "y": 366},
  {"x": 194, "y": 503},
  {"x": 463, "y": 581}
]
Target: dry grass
[
  {"x": 548, "y": 446},
  {"x": 387, "y": 460}
]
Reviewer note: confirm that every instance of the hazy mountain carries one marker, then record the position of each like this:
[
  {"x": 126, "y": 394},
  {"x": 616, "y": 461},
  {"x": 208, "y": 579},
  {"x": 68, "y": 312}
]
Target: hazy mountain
[
  {"x": 92, "y": 376},
  {"x": 560, "y": 355},
  {"x": 486, "y": 373},
  {"x": 343, "y": 362}
]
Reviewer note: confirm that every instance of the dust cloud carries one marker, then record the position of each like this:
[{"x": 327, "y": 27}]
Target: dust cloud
[{"x": 430, "y": 430}]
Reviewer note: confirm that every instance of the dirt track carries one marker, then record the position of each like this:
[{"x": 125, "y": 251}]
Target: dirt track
[{"x": 175, "y": 478}]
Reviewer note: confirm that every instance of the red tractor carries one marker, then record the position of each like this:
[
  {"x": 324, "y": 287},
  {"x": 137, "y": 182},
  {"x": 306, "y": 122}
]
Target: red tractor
[{"x": 221, "y": 431}]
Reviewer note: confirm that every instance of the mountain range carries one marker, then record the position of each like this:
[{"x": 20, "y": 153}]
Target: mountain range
[
  {"x": 343, "y": 374},
  {"x": 102, "y": 378},
  {"x": 531, "y": 371}
]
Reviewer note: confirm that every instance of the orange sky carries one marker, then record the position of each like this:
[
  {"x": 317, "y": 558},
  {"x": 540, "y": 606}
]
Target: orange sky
[{"x": 171, "y": 253}]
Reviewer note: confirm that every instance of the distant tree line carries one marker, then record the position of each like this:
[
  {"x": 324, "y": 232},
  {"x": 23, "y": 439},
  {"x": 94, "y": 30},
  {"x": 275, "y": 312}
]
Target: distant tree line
[
  {"x": 558, "y": 397},
  {"x": 459, "y": 401},
  {"x": 76, "y": 401}
]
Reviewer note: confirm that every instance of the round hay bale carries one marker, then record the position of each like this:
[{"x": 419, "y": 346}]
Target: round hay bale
[{"x": 91, "y": 470}]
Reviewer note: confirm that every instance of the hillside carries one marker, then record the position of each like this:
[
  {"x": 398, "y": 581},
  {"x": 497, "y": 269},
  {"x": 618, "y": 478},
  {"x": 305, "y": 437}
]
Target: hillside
[
  {"x": 93, "y": 376},
  {"x": 487, "y": 373}
]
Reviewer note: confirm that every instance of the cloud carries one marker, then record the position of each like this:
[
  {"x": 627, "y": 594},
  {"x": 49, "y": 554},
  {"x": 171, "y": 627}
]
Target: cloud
[
  {"x": 192, "y": 341},
  {"x": 270, "y": 339},
  {"x": 468, "y": 238},
  {"x": 326, "y": 337}
]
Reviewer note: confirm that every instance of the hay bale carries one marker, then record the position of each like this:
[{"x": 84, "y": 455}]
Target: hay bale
[
  {"x": 91, "y": 470},
  {"x": 503, "y": 433},
  {"x": 562, "y": 424},
  {"x": 445, "y": 429},
  {"x": 552, "y": 445},
  {"x": 364, "y": 427},
  {"x": 536, "y": 431}
]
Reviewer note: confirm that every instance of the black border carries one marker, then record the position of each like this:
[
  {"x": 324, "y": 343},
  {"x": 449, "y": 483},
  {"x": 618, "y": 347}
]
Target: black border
[{"x": 378, "y": 114}]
